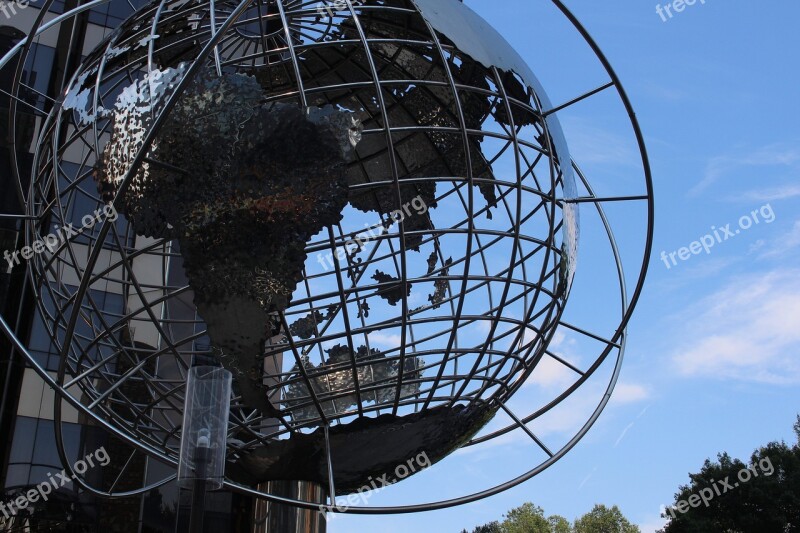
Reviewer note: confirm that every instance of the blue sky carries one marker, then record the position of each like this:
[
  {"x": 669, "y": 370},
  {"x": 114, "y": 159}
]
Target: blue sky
[{"x": 711, "y": 362}]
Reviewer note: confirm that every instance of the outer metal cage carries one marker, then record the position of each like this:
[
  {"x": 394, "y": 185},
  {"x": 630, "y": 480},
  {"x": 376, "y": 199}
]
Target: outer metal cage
[{"x": 133, "y": 388}]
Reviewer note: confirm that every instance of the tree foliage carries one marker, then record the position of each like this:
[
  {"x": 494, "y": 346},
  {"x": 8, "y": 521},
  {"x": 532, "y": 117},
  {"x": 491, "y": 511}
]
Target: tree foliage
[
  {"x": 491, "y": 527},
  {"x": 765, "y": 500},
  {"x": 559, "y": 524},
  {"x": 601, "y": 519},
  {"x": 527, "y": 518},
  {"x": 530, "y": 518}
]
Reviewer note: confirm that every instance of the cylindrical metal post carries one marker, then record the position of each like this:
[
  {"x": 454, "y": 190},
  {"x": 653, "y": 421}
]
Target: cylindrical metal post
[
  {"x": 201, "y": 458},
  {"x": 278, "y": 518}
]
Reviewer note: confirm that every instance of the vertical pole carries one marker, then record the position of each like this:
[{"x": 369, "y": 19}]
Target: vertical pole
[
  {"x": 201, "y": 459},
  {"x": 278, "y": 518}
]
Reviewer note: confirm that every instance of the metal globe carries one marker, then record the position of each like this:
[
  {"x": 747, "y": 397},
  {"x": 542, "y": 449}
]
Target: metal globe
[{"x": 364, "y": 209}]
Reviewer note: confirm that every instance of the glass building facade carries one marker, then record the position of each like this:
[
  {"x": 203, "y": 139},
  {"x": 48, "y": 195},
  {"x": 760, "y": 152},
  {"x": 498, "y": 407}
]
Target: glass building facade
[{"x": 27, "y": 428}]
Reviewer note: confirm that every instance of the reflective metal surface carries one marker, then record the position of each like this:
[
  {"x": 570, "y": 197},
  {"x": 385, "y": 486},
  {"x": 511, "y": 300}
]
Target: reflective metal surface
[
  {"x": 269, "y": 517},
  {"x": 461, "y": 218}
]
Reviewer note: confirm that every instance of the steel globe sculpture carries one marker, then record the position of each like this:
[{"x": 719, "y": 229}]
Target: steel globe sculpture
[{"x": 366, "y": 210}]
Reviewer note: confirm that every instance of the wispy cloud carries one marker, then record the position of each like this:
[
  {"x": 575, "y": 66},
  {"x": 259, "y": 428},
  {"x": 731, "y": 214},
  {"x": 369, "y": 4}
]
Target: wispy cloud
[
  {"x": 549, "y": 372},
  {"x": 783, "y": 245},
  {"x": 786, "y": 155},
  {"x": 566, "y": 419},
  {"x": 630, "y": 426},
  {"x": 710, "y": 268},
  {"x": 782, "y": 192},
  {"x": 587, "y": 478},
  {"x": 665, "y": 93},
  {"x": 624, "y": 432},
  {"x": 627, "y": 393},
  {"x": 592, "y": 144},
  {"x": 747, "y": 331},
  {"x": 756, "y": 246},
  {"x": 384, "y": 340}
]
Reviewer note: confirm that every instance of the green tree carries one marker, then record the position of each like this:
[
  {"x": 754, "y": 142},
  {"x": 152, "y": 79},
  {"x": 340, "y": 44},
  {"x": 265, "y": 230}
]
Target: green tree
[
  {"x": 491, "y": 527},
  {"x": 765, "y": 499},
  {"x": 601, "y": 519},
  {"x": 559, "y": 524},
  {"x": 527, "y": 518}
]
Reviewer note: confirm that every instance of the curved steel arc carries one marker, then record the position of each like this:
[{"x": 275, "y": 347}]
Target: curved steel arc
[
  {"x": 610, "y": 346},
  {"x": 107, "y": 224},
  {"x": 618, "y": 341},
  {"x": 619, "y": 336},
  {"x": 62, "y": 394}
]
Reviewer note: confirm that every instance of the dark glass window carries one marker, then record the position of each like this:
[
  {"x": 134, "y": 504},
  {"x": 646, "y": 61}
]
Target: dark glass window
[
  {"x": 109, "y": 305},
  {"x": 37, "y": 72},
  {"x": 114, "y": 12},
  {"x": 57, "y": 7},
  {"x": 79, "y": 199},
  {"x": 33, "y": 453},
  {"x": 24, "y": 438},
  {"x": 45, "y": 453},
  {"x": 18, "y": 476}
]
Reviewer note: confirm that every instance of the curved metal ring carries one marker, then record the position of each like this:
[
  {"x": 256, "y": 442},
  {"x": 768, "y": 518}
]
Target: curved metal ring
[{"x": 618, "y": 339}]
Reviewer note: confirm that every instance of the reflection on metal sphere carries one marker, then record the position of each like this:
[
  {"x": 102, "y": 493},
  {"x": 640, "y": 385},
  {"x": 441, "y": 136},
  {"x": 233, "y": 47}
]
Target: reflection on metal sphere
[{"x": 364, "y": 213}]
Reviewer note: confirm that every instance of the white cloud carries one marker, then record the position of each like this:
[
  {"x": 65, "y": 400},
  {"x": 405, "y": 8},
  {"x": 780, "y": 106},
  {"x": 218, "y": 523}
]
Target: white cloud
[
  {"x": 783, "y": 192},
  {"x": 628, "y": 393},
  {"x": 384, "y": 340},
  {"x": 561, "y": 423},
  {"x": 566, "y": 419},
  {"x": 756, "y": 246},
  {"x": 484, "y": 326},
  {"x": 550, "y": 373},
  {"x": 711, "y": 267},
  {"x": 748, "y": 331},
  {"x": 776, "y": 155},
  {"x": 783, "y": 244}
]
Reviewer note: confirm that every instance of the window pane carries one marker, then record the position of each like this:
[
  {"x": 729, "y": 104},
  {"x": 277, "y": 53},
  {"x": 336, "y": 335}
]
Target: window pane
[{"x": 24, "y": 436}]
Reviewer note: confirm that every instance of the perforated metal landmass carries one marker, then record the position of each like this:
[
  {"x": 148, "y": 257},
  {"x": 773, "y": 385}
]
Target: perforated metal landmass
[{"x": 368, "y": 214}]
